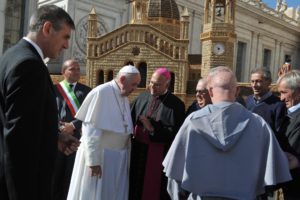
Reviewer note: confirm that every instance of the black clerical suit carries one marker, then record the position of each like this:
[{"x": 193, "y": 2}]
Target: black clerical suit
[
  {"x": 166, "y": 114},
  {"x": 28, "y": 134},
  {"x": 64, "y": 164}
]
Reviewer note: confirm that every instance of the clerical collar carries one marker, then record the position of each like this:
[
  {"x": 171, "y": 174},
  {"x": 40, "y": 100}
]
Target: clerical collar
[
  {"x": 293, "y": 109},
  {"x": 37, "y": 48},
  {"x": 264, "y": 97}
]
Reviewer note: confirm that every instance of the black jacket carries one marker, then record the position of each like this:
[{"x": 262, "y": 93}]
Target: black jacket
[{"x": 28, "y": 134}]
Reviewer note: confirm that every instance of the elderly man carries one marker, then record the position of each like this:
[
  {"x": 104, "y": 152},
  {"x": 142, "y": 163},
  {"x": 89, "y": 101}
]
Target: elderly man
[
  {"x": 202, "y": 97},
  {"x": 157, "y": 116},
  {"x": 263, "y": 102},
  {"x": 289, "y": 89},
  {"x": 28, "y": 113},
  {"x": 223, "y": 151},
  {"x": 101, "y": 165},
  {"x": 69, "y": 96}
]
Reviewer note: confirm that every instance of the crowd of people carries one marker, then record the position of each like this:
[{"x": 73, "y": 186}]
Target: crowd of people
[{"x": 68, "y": 141}]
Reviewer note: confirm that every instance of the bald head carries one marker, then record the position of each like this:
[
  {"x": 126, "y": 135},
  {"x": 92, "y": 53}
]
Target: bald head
[{"x": 222, "y": 84}]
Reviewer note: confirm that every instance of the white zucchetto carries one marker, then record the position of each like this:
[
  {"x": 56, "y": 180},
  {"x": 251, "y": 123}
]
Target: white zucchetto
[{"x": 129, "y": 69}]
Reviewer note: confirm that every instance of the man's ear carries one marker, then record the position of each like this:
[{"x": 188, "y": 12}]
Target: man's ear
[
  {"x": 47, "y": 28},
  {"x": 210, "y": 91},
  {"x": 122, "y": 80}
]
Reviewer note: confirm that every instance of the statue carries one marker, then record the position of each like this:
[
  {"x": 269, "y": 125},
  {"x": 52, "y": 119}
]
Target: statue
[
  {"x": 281, "y": 6},
  {"x": 278, "y": 5}
]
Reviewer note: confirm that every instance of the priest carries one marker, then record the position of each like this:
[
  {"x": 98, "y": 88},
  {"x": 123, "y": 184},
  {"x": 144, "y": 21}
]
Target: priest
[
  {"x": 157, "y": 115},
  {"x": 101, "y": 166}
]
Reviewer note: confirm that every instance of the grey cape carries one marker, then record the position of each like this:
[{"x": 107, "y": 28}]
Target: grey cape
[{"x": 224, "y": 150}]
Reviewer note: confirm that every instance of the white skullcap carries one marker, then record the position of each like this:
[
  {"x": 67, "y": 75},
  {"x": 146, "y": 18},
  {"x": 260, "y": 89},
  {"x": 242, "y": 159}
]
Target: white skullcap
[{"x": 129, "y": 69}]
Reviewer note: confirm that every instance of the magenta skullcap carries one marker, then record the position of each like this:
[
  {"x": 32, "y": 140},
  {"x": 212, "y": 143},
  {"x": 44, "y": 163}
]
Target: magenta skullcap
[{"x": 163, "y": 71}]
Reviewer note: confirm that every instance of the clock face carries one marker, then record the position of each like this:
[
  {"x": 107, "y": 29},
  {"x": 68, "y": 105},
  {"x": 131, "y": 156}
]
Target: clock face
[{"x": 219, "y": 48}]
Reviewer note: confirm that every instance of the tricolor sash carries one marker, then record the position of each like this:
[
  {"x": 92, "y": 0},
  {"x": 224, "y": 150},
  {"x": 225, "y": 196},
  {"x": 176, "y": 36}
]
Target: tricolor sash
[{"x": 69, "y": 96}]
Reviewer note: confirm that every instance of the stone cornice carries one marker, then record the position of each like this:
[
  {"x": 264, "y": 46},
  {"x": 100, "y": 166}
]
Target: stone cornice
[{"x": 264, "y": 14}]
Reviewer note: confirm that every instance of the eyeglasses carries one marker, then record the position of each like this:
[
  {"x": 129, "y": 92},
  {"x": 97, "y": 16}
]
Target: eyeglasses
[{"x": 201, "y": 92}]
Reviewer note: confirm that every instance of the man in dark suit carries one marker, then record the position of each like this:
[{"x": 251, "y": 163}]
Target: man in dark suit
[
  {"x": 289, "y": 89},
  {"x": 28, "y": 130},
  {"x": 69, "y": 92}
]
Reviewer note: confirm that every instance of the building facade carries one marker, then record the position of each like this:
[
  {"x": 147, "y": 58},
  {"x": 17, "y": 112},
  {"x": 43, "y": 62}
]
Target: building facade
[{"x": 264, "y": 36}]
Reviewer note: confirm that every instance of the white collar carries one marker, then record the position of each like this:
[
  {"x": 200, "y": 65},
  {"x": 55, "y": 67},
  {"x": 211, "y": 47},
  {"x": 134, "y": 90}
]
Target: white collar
[
  {"x": 264, "y": 97},
  {"x": 293, "y": 108},
  {"x": 39, "y": 50}
]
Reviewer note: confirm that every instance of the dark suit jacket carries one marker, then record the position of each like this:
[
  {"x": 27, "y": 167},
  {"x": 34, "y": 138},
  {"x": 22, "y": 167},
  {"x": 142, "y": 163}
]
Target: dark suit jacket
[
  {"x": 28, "y": 134},
  {"x": 291, "y": 130},
  {"x": 64, "y": 113}
]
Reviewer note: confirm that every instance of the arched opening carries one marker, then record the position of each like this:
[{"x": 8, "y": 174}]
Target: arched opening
[
  {"x": 110, "y": 75},
  {"x": 128, "y": 62},
  {"x": 143, "y": 71},
  {"x": 172, "y": 82},
  {"x": 100, "y": 77}
]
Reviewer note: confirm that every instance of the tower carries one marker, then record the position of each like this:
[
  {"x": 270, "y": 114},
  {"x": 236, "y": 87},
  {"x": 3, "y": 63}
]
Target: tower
[
  {"x": 218, "y": 35},
  {"x": 184, "y": 24},
  {"x": 92, "y": 24},
  {"x": 139, "y": 11}
]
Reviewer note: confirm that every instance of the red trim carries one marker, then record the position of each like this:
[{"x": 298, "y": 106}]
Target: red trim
[{"x": 62, "y": 92}]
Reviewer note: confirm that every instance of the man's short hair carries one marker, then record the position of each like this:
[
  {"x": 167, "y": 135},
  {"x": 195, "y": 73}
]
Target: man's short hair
[
  {"x": 52, "y": 13},
  {"x": 264, "y": 71},
  {"x": 67, "y": 64},
  {"x": 292, "y": 80},
  {"x": 202, "y": 80},
  {"x": 223, "y": 83}
]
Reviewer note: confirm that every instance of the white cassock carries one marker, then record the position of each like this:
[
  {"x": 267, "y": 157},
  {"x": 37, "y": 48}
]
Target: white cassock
[{"x": 105, "y": 141}]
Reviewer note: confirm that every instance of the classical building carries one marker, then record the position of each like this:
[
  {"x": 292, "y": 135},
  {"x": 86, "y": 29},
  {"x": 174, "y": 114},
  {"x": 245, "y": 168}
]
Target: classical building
[
  {"x": 264, "y": 36},
  {"x": 157, "y": 36}
]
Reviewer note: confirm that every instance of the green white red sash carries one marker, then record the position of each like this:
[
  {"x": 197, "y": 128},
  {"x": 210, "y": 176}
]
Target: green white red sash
[{"x": 68, "y": 94}]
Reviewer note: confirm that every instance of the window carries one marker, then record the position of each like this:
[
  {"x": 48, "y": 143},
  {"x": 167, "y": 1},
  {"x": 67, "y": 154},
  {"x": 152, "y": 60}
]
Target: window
[
  {"x": 100, "y": 77},
  {"x": 240, "y": 60},
  {"x": 143, "y": 71},
  {"x": 267, "y": 58},
  {"x": 172, "y": 82},
  {"x": 110, "y": 75}
]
